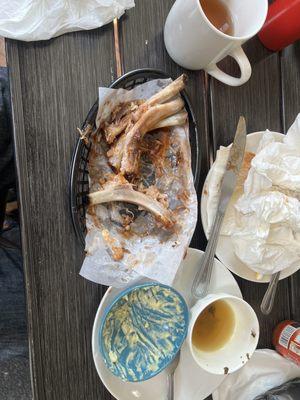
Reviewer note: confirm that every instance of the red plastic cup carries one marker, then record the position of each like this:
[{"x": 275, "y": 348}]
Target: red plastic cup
[{"x": 282, "y": 26}]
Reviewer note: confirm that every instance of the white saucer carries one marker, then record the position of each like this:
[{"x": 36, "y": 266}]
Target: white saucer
[
  {"x": 224, "y": 250},
  {"x": 191, "y": 382}
]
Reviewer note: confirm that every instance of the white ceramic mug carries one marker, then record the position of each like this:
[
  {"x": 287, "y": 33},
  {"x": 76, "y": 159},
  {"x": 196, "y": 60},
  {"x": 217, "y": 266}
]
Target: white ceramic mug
[
  {"x": 193, "y": 42},
  {"x": 241, "y": 345}
]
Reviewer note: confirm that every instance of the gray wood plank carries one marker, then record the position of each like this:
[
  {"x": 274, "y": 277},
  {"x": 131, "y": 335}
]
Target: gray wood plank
[
  {"x": 53, "y": 85},
  {"x": 259, "y": 100},
  {"x": 141, "y": 36},
  {"x": 290, "y": 69}
]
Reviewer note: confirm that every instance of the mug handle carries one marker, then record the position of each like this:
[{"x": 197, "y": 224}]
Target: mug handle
[{"x": 240, "y": 57}]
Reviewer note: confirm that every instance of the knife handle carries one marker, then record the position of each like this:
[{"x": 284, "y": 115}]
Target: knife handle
[{"x": 202, "y": 279}]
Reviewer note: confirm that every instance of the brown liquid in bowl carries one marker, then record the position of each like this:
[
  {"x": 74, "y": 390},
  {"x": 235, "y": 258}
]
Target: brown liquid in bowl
[{"x": 214, "y": 326}]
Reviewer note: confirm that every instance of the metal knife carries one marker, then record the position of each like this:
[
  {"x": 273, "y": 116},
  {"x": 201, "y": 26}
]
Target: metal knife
[{"x": 235, "y": 159}]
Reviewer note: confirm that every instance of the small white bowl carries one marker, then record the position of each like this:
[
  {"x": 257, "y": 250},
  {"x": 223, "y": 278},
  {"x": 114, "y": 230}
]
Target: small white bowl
[{"x": 239, "y": 348}]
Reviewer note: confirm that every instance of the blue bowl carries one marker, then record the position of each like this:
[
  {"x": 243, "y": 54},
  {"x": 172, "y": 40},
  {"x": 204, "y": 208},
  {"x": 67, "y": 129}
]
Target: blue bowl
[{"x": 142, "y": 331}]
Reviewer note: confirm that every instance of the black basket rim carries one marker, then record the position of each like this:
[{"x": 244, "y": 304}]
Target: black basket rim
[{"x": 157, "y": 74}]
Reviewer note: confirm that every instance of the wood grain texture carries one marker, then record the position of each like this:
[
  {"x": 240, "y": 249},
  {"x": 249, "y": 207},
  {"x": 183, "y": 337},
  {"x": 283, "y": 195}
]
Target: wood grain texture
[
  {"x": 290, "y": 73},
  {"x": 141, "y": 32},
  {"x": 2, "y": 53},
  {"x": 259, "y": 100},
  {"x": 53, "y": 85}
]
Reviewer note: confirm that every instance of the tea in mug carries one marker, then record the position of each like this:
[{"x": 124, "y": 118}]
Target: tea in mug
[{"x": 219, "y": 15}]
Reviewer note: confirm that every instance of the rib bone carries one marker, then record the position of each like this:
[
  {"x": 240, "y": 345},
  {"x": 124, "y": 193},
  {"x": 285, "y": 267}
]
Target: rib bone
[
  {"x": 115, "y": 153},
  {"x": 174, "y": 120},
  {"x": 131, "y": 152},
  {"x": 168, "y": 92},
  {"x": 112, "y": 131},
  {"x": 130, "y": 116},
  {"x": 124, "y": 192}
]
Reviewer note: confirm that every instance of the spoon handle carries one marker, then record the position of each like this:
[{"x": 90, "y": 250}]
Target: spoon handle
[
  {"x": 202, "y": 279},
  {"x": 269, "y": 297},
  {"x": 171, "y": 386}
]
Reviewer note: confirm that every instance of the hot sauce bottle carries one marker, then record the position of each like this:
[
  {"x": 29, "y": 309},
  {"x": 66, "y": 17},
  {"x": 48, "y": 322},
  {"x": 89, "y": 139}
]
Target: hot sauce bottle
[{"x": 286, "y": 340}]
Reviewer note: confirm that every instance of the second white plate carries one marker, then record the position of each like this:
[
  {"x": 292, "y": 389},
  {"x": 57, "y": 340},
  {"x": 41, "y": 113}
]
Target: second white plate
[
  {"x": 224, "y": 250},
  {"x": 191, "y": 382}
]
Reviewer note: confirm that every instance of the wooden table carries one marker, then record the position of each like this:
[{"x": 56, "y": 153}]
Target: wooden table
[{"x": 53, "y": 85}]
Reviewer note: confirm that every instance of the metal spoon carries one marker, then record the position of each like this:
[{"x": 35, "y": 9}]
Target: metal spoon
[
  {"x": 269, "y": 297},
  {"x": 171, "y": 371}
]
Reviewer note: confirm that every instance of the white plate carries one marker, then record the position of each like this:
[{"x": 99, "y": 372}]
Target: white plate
[
  {"x": 224, "y": 250},
  {"x": 191, "y": 382}
]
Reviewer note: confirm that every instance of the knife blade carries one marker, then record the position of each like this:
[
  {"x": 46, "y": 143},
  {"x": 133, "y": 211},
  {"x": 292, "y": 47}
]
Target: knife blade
[
  {"x": 202, "y": 279},
  {"x": 234, "y": 163}
]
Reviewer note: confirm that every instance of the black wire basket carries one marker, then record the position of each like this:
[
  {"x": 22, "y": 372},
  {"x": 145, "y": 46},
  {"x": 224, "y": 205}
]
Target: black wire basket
[{"x": 79, "y": 180}]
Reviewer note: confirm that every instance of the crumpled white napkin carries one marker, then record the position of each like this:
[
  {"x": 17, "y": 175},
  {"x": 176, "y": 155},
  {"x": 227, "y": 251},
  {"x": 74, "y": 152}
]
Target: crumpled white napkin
[
  {"x": 264, "y": 221},
  {"x": 30, "y": 20},
  {"x": 266, "y": 370}
]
